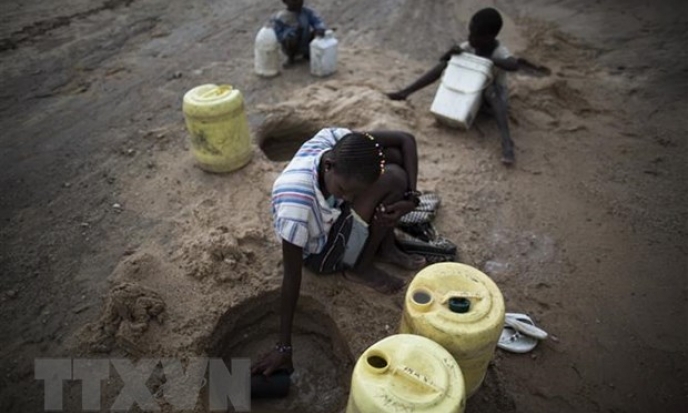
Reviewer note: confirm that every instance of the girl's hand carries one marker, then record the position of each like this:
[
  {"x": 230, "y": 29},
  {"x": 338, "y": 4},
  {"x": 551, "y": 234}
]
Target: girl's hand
[
  {"x": 272, "y": 362},
  {"x": 389, "y": 215}
]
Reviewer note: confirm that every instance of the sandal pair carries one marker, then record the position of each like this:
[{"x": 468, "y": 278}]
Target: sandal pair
[{"x": 520, "y": 335}]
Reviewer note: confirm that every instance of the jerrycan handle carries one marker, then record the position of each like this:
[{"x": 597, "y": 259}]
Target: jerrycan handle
[
  {"x": 461, "y": 294},
  {"x": 417, "y": 378},
  {"x": 216, "y": 91}
]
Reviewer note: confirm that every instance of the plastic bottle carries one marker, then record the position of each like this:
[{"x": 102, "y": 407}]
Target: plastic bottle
[
  {"x": 267, "y": 53},
  {"x": 323, "y": 55}
]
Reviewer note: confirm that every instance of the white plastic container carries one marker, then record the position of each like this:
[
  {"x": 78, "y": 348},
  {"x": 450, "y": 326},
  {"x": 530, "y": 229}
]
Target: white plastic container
[
  {"x": 323, "y": 54},
  {"x": 267, "y": 53},
  {"x": 461, "y": 90}
]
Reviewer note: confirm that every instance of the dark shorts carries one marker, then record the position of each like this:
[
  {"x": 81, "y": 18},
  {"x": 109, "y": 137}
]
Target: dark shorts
[
  {"x": 345, "y": 242},
  {"x": 356, "y": 241}
]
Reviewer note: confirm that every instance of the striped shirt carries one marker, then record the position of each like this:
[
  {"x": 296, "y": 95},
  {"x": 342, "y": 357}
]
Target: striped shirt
[{"x": 300, "y": 212}]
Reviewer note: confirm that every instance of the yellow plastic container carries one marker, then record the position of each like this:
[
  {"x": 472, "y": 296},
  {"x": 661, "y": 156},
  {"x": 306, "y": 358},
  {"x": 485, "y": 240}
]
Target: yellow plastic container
[
  {"x": 215, "y": 118},
  {"x": 406, "y": 373},
  {"x": 461, "y": 309}
]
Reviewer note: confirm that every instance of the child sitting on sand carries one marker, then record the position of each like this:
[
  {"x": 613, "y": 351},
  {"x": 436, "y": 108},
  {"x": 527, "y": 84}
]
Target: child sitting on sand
[
  {"x": 295, "y": 27},
  {"x": 342, "y": 179},
  {"x": 482, "y": 41}
]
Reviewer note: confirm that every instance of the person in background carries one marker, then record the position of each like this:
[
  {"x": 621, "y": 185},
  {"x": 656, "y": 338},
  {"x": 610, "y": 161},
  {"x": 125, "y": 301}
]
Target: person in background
[
  {"x": 295, "y": 27},
  {"x": 483, "y": 29}
]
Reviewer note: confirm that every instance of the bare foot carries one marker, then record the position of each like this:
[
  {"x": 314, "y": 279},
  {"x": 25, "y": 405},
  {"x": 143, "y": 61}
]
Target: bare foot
[
  {"x": 289, "y": 63},
  {"x": 508, "y": 159},
  {"x": 396, "y": 96},
  {"x": 376, "y": 279},
  {"x": 403, "y": 260}
]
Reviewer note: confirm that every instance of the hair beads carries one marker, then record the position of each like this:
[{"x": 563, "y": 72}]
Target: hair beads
[
  {"x": 381, "y": 154},
  {"x": 357, "y": 155}
]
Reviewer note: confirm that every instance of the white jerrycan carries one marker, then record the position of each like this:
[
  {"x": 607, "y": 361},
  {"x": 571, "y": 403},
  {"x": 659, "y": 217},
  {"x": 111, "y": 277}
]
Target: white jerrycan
[
  {"x": 460, "y": 93},
  {"x": 267, "y": 53},
  {"x": 323, "y": 54}
]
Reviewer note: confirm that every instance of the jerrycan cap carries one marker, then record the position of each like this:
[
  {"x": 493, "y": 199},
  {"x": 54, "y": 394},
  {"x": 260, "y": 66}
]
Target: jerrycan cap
[{"x": 459, "y": 305}]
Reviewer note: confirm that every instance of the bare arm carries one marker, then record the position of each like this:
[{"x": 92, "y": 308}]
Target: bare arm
[
  {"x": 426, "y": 79},
  {"x": 405, "y": 143},
  {"x": 521, "y": 64},
  {"x": 532, "y": 68},
  {"x": 292, "y": 257},
  {"x": 509, "y": 64}
]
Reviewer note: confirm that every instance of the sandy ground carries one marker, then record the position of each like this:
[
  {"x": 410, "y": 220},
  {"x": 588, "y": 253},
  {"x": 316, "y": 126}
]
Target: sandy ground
[{"x": 115, "y": 245}]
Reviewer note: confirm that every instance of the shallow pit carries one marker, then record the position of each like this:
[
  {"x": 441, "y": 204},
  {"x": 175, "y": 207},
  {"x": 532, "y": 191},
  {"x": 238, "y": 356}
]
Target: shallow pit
[
  {"x": 280, "y": 137},
  {"x": 322, "y": 360}
]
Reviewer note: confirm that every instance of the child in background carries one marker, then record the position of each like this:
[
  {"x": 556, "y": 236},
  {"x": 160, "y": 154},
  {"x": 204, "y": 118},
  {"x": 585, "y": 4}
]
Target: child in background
[
  {"x": 482, "y": 41},
  {"x": 295, "y": 27},
  {"x": 338, "y": 175}
]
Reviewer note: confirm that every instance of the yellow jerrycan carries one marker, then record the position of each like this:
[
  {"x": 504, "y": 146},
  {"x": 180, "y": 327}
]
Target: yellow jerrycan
[
  {"x": 461, "y": 309},
  {"x": 215, "y": 118},
  {"x": 406, "y": 373}
]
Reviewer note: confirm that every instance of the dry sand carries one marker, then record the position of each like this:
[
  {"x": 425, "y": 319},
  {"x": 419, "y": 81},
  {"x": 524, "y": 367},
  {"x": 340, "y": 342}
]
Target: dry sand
[{"x": 586, "y": 233}]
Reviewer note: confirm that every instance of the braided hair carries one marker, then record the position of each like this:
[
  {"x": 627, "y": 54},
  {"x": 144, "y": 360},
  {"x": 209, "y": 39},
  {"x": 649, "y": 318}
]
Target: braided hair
[{"x": 357, "y": 155}]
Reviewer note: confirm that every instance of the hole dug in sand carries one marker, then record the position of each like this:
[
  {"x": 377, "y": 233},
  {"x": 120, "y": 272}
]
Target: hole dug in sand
[
  {"x": 355, "y": 105},
  {"x": 281, "y": 136},
  {"x": 322, "y": 360}
]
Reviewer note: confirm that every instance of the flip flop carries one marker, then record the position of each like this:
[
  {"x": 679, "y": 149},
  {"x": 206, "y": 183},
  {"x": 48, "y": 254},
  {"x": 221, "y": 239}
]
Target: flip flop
[
  {"x": 429, "y": 201},
  {"x": 436, "y": 251},
  {"x": 425, "y": 211},
  {"x": 525, "y": 325},
  {"x": 424, "y": 231},
  {"x": 515, "y": 342}
]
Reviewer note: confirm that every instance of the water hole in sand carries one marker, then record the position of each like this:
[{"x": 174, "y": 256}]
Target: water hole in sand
[
  {"x": 280, "y": 137},
  {"x": 322, "y": 360}
]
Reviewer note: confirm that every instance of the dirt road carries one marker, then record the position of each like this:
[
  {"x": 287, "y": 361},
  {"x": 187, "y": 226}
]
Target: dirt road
[{"x": 101, "y": 203}]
